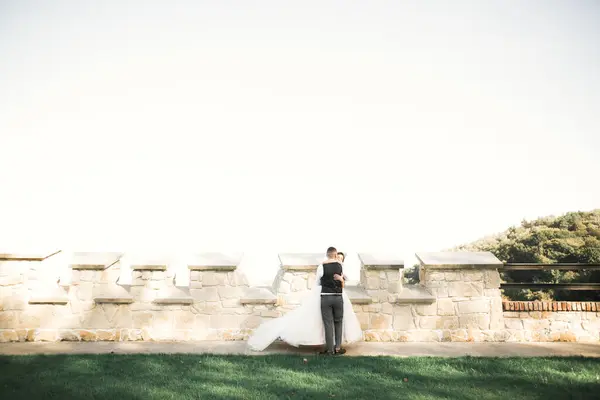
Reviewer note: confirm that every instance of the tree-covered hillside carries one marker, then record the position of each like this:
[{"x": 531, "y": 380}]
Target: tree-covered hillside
[{"x": 571, "y": 238}]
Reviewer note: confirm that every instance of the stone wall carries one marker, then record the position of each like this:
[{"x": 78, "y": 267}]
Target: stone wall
[
  {"x": 51, "y": 296},
  {"x": 553, "y": 321}
]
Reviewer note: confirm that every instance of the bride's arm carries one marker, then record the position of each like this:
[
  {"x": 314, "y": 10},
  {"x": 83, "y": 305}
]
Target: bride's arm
[{"x": 319, "y": 275}]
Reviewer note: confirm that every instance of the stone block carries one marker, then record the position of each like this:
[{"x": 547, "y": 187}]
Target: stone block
[
  {"x": 403, "y": 319},
  {"x": 46, "y": 335},
  {"x": 459, "y": 335},
  {"x": 184, "y": 320},
  {"x": 491, "y": 279},
  {"x": 387, "y": 308},
  {"x": 447, "y": 323},
  {"x": 8, "y": 320},
  {"x": 513, "y": 323},
  {"x": 474, "y": 306},
  {"x": 535, "y": 324},
  {"x": 427, "y": 309},
  {"x": 299, "y": 283},
  {"x": 206, "y": 294},
  {"x": 465, "y": 289},
  {"x": 452, "y": 276},
  {"x": 372, "y": 283},
  {"x": 226, "y": 321},
  {"x": 472, "y": 276},
  {"x": 228, "y": 292},
  {"x": 142, "y": 319},
  {"x": 434, "y": 276},
  {"x": 475, "y": 321},
  {"x": 213, "y": 278},
  {"x": 559, "y": 325},
  {"x": 446, "y": 306},
  {"x": 496, "y": 314},
  {"x": 393, "y": 276},
  {"x": 8, "y": 335},
  {"x": 68, "y": 336},
  {"x": 428, "y": 322},
  {"x": 230, "y": 303},
  {"x": 380, "y": 321},
  {"x": 162, "y": 321},
  {"x": 284, "y": 287}
]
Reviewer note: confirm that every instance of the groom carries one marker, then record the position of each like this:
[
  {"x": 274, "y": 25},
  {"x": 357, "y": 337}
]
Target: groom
[{"x": 332, "y": 304}]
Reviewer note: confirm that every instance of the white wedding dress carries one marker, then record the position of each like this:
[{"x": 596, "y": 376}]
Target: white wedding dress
[{"x": 303, "y": 326}]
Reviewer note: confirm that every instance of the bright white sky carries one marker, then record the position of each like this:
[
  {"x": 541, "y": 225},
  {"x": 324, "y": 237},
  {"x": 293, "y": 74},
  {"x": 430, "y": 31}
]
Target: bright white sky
[{"x": 272, "y": 126}]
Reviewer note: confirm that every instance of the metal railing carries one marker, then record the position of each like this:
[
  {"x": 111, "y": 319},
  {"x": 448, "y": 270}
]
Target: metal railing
[{"x": 509, "y": 267}]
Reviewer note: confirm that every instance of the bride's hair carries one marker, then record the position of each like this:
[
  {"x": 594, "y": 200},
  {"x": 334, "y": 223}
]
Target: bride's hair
[{"x": 343, "y": 255}]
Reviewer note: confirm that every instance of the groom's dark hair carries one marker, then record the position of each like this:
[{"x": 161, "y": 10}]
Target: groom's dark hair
[{"x": 331, "y": 250}]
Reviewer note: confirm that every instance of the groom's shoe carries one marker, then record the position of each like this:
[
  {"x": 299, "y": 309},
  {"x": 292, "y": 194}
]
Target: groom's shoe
[
  {"x": 340, "y": 351},
  {"x": 326, "y": 353}
]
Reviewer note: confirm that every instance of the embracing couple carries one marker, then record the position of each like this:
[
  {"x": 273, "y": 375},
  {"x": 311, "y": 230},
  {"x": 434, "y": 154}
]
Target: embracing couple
[{"x": 325, "y": 316}]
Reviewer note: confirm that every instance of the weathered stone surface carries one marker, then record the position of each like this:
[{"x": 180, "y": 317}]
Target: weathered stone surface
[
  {"x": 206, "y": 294},
  {"x": 46, "y": 335},
  {"x": 429, "y": 309},
  {"x": 258, "y": 296},
  {"x": 8, "y": 319},
  {"x": 511, "y": 323},
  {"x": 477, "y": 321},
  {"x": 403, "y": 319},
  {"x": 492, "y": 279},
  {"x": 474, "y": 306},
  {"x": 453, "y": 276},
  {"x": 472, "y": 276},
  {"x": 380, "y": 321},
  {"x": 465, "y": 289},
  {"x": 8, "y": 335},
  {"x": 446, "y": 306},
  {"x": 415, "y": 294},
  {"x": 212, "y": 278}
]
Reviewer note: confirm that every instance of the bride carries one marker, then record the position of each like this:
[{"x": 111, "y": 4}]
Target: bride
[{"x": 303, "y": 326}]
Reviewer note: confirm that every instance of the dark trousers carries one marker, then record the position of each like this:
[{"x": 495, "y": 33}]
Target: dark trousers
[{"x": 332, "y": 311}]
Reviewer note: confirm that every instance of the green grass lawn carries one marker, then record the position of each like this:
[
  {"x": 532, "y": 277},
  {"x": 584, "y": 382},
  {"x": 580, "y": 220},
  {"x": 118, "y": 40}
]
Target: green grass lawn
[{"x": 117, "y": 377}]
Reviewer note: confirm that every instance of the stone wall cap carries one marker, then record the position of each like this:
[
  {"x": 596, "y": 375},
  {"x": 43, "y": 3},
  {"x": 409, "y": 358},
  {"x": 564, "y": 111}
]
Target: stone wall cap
[
  {"x": 457, "y": 259},
  {"x": 93, "y": 260},
  {"x": 300, "y": 260},
  {"x": 358, "y": 295},
  {"x": 111, "y": 293},
  {"x": 258, "y": 295},
  {"x": 198, "y": 260},
  {"x": 50, "y": 296},
  {"x": 27, "y": 255},
  {"x": 381, "y": 260},
  {"x": 414, "y": 294},
  {"x": 140, "y": 261}
]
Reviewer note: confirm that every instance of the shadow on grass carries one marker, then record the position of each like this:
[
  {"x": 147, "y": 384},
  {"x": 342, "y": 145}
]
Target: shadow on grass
[{"x": 288, "y": 377}]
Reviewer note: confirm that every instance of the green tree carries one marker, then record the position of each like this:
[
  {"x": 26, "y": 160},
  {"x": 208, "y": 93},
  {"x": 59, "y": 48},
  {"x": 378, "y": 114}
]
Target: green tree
[{"x": 570, "y": 238}]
